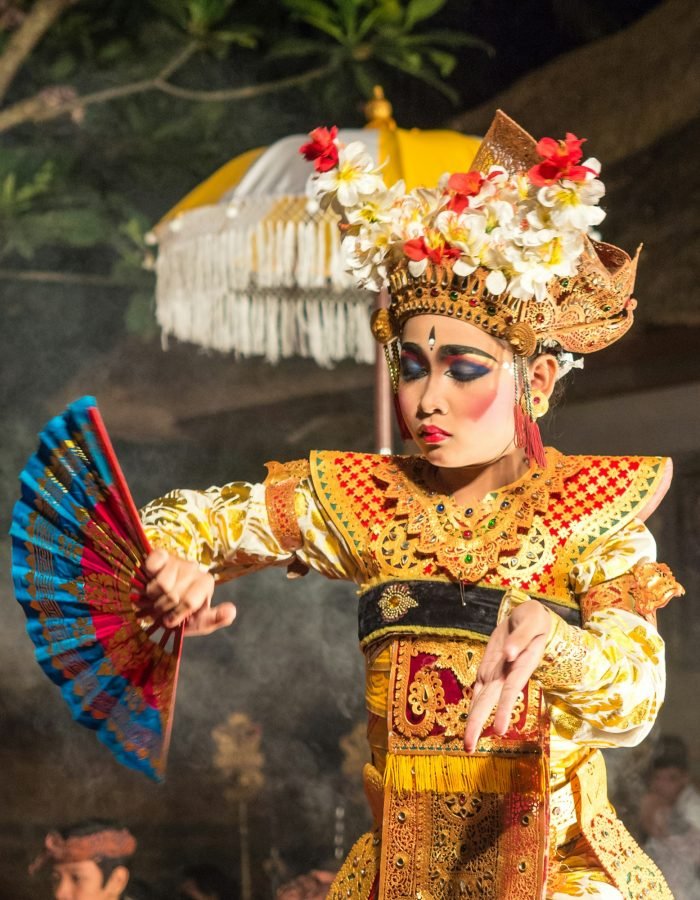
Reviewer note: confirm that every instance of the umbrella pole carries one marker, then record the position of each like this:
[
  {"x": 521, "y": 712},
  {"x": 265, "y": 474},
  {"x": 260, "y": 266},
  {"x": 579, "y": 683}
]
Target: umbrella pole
[{"x": 382, "y": 391}]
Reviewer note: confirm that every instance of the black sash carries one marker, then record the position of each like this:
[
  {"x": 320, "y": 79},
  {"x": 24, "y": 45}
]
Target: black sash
[{"x": 412, "y": 606}]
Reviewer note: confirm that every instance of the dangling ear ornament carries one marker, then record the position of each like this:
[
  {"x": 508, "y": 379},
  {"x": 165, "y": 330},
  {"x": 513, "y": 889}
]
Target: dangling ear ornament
[{"x": 529, "y": 406}]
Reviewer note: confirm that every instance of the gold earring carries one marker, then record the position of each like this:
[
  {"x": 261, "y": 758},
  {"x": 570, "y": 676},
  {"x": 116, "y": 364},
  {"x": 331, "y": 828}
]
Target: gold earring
[{"x": 540, "y": 403}]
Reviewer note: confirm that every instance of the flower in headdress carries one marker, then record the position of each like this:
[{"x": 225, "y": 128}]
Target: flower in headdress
[
  {"x": 379, "y": 208},
  {"x": 429, "y": 246},
  {"x": 322, "y": 149},
  {"x": 470, "y": 190},
  {"x": 354, "y": 178},
  {"x": 365, "y": 256},
  {"x": 465, "y": 233},
  {"x": 559, "y": 160},
  {"x": 571, "y": 204},
  {"x": 532, "y": 257},
  {"x": 463, "y": 186}
]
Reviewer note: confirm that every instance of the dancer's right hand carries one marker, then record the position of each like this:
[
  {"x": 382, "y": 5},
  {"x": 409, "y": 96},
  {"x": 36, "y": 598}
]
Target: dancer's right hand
[{"x": 179, "y": 591}]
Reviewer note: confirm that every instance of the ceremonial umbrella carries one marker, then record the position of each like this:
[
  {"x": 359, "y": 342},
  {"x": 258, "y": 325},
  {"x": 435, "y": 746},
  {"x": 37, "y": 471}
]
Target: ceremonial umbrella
[{"x": 246, "y": 266}]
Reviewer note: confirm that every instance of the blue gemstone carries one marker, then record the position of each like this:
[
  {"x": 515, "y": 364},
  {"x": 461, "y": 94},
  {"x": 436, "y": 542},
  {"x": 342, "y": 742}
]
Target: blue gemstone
[{"x": 440, "y": 507}]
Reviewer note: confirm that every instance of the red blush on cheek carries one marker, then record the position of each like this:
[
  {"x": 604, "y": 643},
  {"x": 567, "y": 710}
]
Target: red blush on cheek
[{"x": 479, "y": 405}]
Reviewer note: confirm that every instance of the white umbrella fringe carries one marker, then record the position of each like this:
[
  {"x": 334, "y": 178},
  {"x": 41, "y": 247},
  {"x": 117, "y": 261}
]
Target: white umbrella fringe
[{"x": 261, "y": 277}]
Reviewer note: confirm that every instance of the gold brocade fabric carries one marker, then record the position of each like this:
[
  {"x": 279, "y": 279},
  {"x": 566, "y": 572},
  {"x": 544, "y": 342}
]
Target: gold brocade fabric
[{"x": 570, "y": 533}]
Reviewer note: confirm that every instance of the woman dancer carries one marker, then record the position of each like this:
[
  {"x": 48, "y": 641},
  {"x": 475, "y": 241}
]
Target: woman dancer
[{"x": 507, "y": 592}]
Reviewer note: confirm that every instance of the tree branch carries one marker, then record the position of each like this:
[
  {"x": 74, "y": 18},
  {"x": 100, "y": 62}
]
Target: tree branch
[
  {"x": 42, "y": 107},
  {"x": 37, "y": 22},
  {"x": 47, "y": 277},
  {"x": 242, "y": 93}
]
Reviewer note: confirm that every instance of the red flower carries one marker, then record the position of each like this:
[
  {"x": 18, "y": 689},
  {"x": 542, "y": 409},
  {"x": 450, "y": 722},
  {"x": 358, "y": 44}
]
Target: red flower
[
  {"x": 463, "y": 186},
  {"x": 321, "y": 149},
  {"x": 560, "y": 160},
  {"x": 418, "y": 249}
]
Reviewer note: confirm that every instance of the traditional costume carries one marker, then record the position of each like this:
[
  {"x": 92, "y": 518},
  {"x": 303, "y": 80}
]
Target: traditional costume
[{"x": 526, "y": 815}]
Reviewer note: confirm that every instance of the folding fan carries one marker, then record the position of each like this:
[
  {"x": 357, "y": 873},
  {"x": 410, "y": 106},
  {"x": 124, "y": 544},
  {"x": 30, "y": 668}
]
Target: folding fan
[{"x": 78, "y": 549}]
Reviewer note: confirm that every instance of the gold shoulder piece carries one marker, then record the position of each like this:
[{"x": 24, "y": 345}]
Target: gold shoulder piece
[
  {"x": 647, "y": 587},
  {"x": 280, "y": 489}
]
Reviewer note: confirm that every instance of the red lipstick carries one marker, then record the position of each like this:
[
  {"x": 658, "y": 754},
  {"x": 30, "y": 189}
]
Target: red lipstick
[{"x": 431, "y": 434}]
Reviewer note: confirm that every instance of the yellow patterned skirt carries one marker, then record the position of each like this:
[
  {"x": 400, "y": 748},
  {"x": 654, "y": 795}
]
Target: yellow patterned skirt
[{"x": 446, "y": 829}]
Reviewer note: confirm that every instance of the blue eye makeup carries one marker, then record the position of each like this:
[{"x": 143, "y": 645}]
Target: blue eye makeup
[
  {"x": 466, "y": 370},
  {"x": 411, "y": 368}
]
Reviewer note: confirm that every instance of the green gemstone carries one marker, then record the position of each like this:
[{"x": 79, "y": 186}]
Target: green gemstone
[
  {"x": 454, "y": 295},
  {"x": 468, "y": 558},
  {"x": 565, "y": 282},
  {"x": 491, "y": 310},
  {"x": 419, "y": 292},
  {"x": 607, "y": 308},
  {"x": 492, "y": 523}
]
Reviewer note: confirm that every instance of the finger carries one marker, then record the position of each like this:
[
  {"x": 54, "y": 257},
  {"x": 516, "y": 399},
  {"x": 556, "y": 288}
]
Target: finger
[
  {"x": 209, "y": 619},
  {"x": 480, "y": 710},
  {"x": 164, "y": 580},
  {"x": 155, "y": 561},
  {"x": 517, "y": 679},
  {"x": 520, "y": 638},
  {"x": 196, "y": 595},
  {"x": 185, "y": 578},
  {"x": 526, "y": 623}
]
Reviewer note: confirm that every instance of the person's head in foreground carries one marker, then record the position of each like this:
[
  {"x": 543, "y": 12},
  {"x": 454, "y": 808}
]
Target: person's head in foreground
[
  {"x": 204, "y": 882},
  {"x": 89, "y": 860},
  {"x": 312, "y": 886},
  {"x": 494, "y": 283},
  {"x": 669, "y": 769}
]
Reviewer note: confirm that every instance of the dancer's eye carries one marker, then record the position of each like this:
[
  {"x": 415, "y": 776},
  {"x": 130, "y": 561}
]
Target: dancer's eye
[
  {"x": 411, "y": 368},
  {"x": 467, "y": 371}
]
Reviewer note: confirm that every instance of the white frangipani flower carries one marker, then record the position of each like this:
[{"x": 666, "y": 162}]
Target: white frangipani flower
[
  {"x": 355, "y": 176},
  {"x": 526, "y": 230}
]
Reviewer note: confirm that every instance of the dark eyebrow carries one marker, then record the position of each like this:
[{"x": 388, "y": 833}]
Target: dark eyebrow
[
  {"x": 412, "y": 348},
  {"x": 448, "y": 350}
]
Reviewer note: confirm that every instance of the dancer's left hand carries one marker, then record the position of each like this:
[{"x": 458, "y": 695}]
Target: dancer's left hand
[{"x": 512, "y": 654}]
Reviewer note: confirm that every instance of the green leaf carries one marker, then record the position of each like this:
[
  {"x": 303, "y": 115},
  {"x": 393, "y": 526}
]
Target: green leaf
[
  {"x": 449, "y": 39},
  {"x": 348, "y": 10},
  {"x": 443, "y": 62},
  {"x": 245, "y": 36},
  {"x": 114, "y": 50},
  {"x": 287, "y": 48},
  {"x": 315, "y": 8},
  {"x": 63, "y": 67},
  {"x": 421, "y": 9},
  {"x": 328, "y": 28},
  {"x": 369, "y": 22},
  {"x": 424, "y": 75}
]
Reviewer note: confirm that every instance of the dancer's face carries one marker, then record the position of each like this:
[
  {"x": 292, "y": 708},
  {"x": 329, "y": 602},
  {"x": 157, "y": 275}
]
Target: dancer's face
[{"x": 456, "y": 391}]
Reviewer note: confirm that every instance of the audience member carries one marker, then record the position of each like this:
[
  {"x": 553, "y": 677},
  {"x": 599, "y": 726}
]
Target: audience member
[
  {"x": 670, "y": 817},
  {"x": 89, "y": 860}
]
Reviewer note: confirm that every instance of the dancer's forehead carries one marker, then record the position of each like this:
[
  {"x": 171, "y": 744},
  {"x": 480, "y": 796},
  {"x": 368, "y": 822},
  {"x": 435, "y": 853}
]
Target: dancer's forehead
[{"x": 434, "y": 333}]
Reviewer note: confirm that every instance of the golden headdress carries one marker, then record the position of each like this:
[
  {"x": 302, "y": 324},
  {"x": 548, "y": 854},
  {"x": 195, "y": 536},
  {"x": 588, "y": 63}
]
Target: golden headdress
[
  {"x": 584, "y": 302},
  {"x": 506, "y": 247}
]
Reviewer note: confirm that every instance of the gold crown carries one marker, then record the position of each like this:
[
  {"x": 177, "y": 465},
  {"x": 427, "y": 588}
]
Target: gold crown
[{"x": 582, "y": 313}]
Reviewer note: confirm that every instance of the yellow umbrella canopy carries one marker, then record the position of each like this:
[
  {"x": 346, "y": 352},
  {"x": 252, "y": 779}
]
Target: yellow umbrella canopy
[{"x": 245, "y": 267}]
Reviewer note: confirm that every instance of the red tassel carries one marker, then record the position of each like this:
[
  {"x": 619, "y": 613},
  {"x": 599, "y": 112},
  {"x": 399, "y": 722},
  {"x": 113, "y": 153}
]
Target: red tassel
[
  {"x": 403, "y": 427},
  {"x": 520, "y": 426},
  {"x": 527, "y": 436},
  {"x": 534, "y": 448}
]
